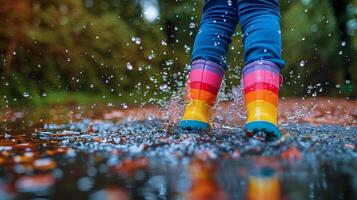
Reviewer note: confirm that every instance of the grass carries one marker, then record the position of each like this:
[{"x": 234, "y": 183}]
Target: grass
[{"x": 78, "y": 98}]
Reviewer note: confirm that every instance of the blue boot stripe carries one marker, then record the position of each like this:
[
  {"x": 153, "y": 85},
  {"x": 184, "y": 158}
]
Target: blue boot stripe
[
  {"x": 193, "y": 125},
  {"x": 263, "y": 126}
]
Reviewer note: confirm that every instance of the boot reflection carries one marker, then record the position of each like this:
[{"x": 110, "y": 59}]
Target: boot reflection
[
  {"x": 263, "y": 184},
  {"x": 204, "y": 185}
]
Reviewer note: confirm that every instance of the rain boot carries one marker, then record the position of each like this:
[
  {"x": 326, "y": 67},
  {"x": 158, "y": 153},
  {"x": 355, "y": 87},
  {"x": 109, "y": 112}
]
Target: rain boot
[
  {"x": 261, "y": 81},
  {"x": 205, "y": 79}
]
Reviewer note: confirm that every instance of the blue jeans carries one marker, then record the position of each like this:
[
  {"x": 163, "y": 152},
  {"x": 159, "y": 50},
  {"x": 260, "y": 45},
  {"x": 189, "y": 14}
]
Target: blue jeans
[{"x": 260, "y": 24}]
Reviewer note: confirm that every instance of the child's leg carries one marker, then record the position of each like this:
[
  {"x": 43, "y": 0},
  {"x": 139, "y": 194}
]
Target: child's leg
[
  {"x": 217, "y": 25},
  {"x": 260, "y": 23}
]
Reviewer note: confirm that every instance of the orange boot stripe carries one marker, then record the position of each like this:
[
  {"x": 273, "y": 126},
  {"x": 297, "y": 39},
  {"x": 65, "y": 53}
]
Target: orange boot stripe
[
  {"x": 264, "y": 95},
  {"x": 208, "y": 97}
]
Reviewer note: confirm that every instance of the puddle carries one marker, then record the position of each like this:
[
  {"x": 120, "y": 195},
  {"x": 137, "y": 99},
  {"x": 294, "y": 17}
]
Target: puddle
[
  {"x": 92, "y": 159},
  {"x": 132, "y": 154}
]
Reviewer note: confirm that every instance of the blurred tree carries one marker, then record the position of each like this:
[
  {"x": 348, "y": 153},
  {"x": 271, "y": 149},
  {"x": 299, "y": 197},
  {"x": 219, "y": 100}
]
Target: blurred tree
[
  {"x": 109, "y": 48},
  {"x": 65, "y": 46},
  {"x": 16, "y": 14}
]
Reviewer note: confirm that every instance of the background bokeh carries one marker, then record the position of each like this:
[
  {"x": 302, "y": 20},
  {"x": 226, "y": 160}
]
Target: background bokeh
[{"x": 134, "y": 51}]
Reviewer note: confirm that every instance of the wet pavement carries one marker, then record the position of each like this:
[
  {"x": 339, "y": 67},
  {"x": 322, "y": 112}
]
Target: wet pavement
[{"x": 134, "y": 154}]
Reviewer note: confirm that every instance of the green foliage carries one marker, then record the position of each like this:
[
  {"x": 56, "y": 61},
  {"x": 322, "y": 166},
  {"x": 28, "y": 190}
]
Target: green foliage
[{"x": 89, "y": 47}]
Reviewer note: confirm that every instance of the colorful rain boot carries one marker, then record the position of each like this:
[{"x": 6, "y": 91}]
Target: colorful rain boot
[
  {"x": 261, "y": 80},
  {"x": 205, "y": 80}
]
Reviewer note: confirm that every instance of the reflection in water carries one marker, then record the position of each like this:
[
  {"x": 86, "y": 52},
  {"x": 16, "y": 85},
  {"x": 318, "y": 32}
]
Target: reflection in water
[
  {"x": 204, "y": 185},
  {"x": 263, "y": 184},
  {"x": 36, "y": 183},
  {"x": 137, "y": 160},
  {"x": 111, "y": 193}
]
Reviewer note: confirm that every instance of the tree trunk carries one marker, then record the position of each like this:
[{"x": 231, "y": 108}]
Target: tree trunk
[
  {"x": 10, "y": 55},
  {"x": 339, "y": 7}
]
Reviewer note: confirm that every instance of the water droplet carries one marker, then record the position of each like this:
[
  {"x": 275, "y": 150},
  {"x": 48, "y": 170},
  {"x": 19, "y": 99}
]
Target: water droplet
[
  {"x": 163, "y": 87},
  {"x": 302, "y": 63},
  {"x": 124, "y": 106},
  {"x": 136, "y": 40},
  {"x": 25, "y": 94},
  {"x": 229, "y": 2},
  {"x": 152, "y": 55},
  {"x": 187, "y": 48},
  {"x": 343, "y": 43},
  {"x": 192, "y": 25},
  {"x": 169, "y": 62},
  {"x": 129, "y": 66},
  {"x": 314, "y": 94}
]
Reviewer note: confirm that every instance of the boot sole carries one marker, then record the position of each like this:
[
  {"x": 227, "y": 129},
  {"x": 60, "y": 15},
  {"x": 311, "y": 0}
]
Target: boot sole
[
  {"x": 193, "y": 125},
  {"x": 272, "y": 132}
]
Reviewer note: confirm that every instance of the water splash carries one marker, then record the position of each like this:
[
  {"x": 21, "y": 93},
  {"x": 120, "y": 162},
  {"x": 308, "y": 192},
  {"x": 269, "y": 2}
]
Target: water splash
[
  {"x": 238, "y": 105},
  {"x": 300, "y": 111},
  {"x": 230, "y": 107},
  {"x": 173, "y": 108}
]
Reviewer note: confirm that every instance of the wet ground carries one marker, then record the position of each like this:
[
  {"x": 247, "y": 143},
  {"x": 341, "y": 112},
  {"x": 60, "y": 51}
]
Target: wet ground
[{"x": 72, "y": 152}]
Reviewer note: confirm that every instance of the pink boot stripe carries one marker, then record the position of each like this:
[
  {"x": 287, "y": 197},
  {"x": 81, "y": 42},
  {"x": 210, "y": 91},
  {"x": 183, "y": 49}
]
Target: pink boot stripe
[
  {"x": 261, "y": 76},
  {"x": 205, "y": 76}
]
